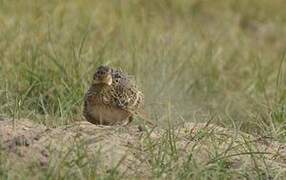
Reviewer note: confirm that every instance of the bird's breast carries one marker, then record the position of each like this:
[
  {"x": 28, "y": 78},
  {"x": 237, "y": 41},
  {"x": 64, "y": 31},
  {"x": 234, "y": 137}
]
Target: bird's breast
[{"x": 108, "y": 115}]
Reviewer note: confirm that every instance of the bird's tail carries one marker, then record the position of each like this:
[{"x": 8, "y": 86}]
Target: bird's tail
[{"x": 144, "y": 115}]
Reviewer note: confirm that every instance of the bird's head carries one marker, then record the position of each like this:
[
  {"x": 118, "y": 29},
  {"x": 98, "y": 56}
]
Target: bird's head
[{"x": 103, "y": 75}]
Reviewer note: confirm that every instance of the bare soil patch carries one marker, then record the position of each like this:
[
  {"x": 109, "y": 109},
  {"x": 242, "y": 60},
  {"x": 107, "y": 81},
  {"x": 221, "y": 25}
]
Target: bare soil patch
[{"x": 130, "y": 150}]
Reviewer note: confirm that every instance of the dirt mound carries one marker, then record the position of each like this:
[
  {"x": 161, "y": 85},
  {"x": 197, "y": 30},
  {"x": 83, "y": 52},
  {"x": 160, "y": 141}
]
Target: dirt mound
[
  {"x": 30, "y": 144},
  {"x": 131, "y": 151}
]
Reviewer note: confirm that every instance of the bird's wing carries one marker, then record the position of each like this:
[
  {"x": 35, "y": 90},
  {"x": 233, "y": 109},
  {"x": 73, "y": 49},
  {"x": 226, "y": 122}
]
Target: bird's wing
[{"x": 126, "y": 96}]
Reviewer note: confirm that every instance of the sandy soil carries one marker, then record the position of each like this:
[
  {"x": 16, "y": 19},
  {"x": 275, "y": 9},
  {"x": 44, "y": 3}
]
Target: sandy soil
[{"x": 28, "y": 144}]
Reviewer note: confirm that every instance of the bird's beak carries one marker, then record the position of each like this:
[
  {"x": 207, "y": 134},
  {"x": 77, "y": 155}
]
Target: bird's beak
[{"x": 107, "y": 80}]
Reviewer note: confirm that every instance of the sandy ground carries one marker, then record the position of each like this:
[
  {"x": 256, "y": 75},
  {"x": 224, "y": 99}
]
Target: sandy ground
[{"x": 28, "y": 144}]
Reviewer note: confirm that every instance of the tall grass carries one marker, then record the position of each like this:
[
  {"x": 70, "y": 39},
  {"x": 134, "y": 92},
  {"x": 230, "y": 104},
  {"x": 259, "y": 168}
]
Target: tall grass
[{"x": 220, "y": 60}]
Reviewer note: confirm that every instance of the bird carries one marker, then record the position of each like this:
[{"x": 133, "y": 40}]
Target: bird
[{"x": 113, "y": 98}]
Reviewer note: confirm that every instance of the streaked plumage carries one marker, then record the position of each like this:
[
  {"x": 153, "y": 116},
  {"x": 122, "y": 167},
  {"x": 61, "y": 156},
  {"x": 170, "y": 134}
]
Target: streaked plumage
[{"x": 113, "y": 98}]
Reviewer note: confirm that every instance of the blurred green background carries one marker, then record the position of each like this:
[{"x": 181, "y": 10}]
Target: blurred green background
[{"x": 196, "y": 60}]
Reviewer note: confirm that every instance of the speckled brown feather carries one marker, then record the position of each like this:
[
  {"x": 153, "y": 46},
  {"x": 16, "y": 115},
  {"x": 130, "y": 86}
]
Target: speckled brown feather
[{"x": 114, "y": 104}]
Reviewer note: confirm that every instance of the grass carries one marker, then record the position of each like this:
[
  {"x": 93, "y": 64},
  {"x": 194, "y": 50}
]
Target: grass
[{"x": 199, "y": 60}]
